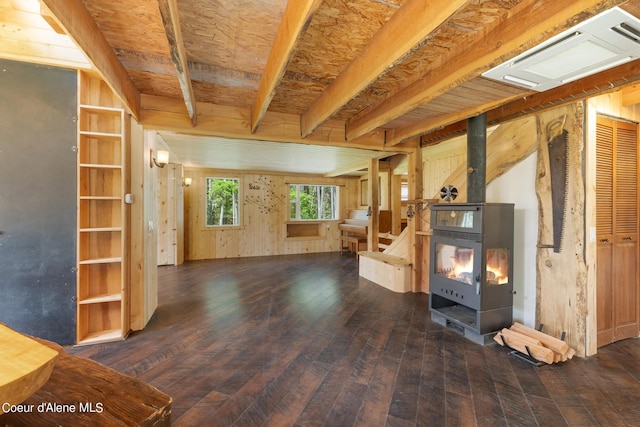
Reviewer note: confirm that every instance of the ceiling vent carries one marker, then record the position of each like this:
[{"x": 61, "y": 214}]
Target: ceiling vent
[{"x": 599, "y": 43}]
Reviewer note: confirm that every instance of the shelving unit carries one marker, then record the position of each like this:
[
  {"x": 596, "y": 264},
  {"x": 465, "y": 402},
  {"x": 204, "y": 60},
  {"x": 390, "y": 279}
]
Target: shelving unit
[{"x": 102, "y": 273}]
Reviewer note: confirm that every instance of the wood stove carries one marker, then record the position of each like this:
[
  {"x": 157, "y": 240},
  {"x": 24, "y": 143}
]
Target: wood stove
[{"x": 471, "y": 268}]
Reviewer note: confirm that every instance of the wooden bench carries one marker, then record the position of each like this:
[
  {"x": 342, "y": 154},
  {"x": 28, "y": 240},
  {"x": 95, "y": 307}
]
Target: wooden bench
[
  {"x": 82, "y": 392},
  {"x": 354, "y": 243}
]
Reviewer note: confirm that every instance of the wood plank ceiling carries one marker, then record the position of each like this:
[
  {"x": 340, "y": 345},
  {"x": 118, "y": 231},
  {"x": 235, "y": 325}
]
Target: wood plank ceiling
[{"x": 383, "y": 75}]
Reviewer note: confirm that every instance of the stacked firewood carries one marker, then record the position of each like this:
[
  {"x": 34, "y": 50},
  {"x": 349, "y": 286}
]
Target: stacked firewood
[{"x": 535, "y": 344}]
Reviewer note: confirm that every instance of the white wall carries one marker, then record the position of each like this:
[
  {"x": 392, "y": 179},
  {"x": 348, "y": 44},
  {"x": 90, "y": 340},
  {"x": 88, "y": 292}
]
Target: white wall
[{"x": 518, "y": 186}]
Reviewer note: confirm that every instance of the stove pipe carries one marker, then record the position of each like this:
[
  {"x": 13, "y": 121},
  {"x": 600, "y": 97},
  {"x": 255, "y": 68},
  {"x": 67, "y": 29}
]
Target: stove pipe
[{"x": 477, "y": 159}]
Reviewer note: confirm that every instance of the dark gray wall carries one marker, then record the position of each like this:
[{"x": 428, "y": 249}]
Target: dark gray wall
[{"x": 38, "y": 107}]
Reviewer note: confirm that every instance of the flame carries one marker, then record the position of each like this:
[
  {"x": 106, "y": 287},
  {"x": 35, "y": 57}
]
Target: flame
[{"x": 462, "y": 266}]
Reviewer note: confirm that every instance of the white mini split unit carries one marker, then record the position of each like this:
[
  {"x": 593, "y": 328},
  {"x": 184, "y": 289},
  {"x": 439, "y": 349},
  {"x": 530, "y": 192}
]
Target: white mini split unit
[{"x": 599, "y": 43}]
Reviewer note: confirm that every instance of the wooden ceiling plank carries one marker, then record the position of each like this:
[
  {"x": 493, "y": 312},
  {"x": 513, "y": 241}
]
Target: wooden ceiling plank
[
  {"x": 396, "y": 136},
  {"x": 171, "y": 22},
  {"x": 296, "y": 18},
  {"x": 526, "y": 25},
  {"x": 406, "y": 29},
  {"x": 626, "y": 75},
  {"x": 78, "y": 23}
]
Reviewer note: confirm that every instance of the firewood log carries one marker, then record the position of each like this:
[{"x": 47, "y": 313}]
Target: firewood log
[
  {"x": 515, "y": 341},
  {"x": 553, "y": 343}
]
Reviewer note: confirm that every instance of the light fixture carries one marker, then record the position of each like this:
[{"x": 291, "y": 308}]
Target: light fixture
[
  {"x": 186, "y": 182},
  {"x": 410, "y": 212},
  {"x": 161, "y": 161}
]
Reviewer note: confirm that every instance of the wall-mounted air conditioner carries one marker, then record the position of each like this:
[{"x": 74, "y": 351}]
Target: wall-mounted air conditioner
[{"x": 601, "y": 42}]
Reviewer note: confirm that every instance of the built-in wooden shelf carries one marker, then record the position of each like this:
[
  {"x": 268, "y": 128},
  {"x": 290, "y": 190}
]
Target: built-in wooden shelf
[
  {"x": 101, "y": 298},
  {"x": 102, "y": 313},
  {"x": 305, "y": 229}
]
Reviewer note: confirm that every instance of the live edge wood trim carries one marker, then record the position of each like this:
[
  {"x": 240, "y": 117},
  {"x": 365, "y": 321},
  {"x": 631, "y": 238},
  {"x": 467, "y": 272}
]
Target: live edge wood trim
[{"x": 85, "y": 392}]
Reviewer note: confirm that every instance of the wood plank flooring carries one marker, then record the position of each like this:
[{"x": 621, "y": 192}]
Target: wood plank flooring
[{"x": 304, "y": 341}]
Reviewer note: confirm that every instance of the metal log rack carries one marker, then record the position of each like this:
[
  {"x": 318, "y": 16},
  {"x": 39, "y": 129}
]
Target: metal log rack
[{"x": 528, "y": 357}]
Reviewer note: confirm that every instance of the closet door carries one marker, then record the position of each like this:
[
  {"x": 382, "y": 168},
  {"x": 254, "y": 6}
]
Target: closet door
[
  {"x": 617, "y": 230},
  {"x": 604, "y": 229}
]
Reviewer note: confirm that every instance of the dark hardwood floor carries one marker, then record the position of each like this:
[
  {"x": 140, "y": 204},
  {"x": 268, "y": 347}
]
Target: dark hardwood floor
[{"x": 303, "y": 341}]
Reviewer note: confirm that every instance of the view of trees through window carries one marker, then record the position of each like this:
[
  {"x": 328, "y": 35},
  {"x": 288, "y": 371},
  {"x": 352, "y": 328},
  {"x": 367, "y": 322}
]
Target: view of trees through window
[
  {"x": 222, "y": 201},
  {"x": 313, "y": 201}
]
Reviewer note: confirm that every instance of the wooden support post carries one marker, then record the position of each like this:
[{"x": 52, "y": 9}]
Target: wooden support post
[
  {"x": 374, "y": 206},
  {"x": 396, "y": 204},
  {"x": 415, "y": 224}
]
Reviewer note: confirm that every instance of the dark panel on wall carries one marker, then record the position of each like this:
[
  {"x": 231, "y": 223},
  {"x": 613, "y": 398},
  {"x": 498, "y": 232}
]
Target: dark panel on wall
[{"x": 38, "y": 107}]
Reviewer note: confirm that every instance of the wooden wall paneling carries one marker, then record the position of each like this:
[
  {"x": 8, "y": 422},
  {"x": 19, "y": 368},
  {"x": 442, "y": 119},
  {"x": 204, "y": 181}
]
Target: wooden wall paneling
[
  {"x": 168, "y": 204},
  {"x": 440, "y": 161},
  {"x": 179, "y": 213},
  {"x": 150, "y": 301},
  {"x": 264, "y": 211},
  {"x": 144, "y": 271},
  {"x": 163, "y": 203}
]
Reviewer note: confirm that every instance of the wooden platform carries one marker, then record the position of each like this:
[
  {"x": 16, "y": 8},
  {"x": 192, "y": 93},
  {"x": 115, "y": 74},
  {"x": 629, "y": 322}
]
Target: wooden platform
[{"x": 82, "y": 392}]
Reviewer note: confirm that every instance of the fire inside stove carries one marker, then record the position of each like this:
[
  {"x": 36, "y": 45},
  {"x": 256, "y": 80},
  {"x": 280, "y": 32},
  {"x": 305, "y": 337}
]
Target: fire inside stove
[{"x": 456, "y": 263}]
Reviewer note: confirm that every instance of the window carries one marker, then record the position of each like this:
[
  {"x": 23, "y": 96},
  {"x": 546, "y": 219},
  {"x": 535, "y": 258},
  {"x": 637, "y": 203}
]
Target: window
[
  {"x": 404, "y": 191},
  {"x": 222, "y": 201},
  {"x": 309, "y": 202}
]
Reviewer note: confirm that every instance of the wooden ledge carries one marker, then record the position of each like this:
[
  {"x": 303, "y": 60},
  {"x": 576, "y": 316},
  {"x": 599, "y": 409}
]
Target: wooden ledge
[{"x": 386, "y": 258}]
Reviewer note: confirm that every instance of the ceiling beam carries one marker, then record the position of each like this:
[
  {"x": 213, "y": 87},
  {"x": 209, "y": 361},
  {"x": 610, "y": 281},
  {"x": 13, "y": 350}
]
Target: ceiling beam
[
  {"x": 233, "y": 122},
  {"x": 78, "y": 23},
  {"x": 171, "y": 22},
  {"x": 294, "y": 23},
  {"x": 348, "y": 169},
  {"x": 406, "y": 29},
  {"x": 527, "y": 24}
]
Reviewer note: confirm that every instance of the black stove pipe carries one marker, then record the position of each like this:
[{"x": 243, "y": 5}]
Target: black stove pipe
[{"x": 477, "y": 159}]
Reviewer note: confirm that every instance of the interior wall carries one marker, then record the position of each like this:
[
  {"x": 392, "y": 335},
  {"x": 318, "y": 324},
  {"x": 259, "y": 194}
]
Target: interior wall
[
  {"x": 38, "y": 107},
  {"x": 264, "y": 217},
  {"x": 518, "y": 186},
  {"x": 144, "y": 235}
]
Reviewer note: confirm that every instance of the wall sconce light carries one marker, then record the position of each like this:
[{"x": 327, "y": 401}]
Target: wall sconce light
[
  {"x": 415, "y": 206},
  {"x": 161, "y": 161},
  {"x": 186, "y": 182},
  {"x": 410, "y": 212}
]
